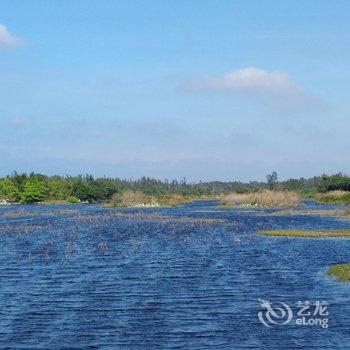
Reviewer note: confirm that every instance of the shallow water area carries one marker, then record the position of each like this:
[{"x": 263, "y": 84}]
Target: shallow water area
[{"x": 82, "y": 276}]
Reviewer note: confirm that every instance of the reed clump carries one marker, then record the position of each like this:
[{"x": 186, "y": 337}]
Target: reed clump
[
  {"x": 138, "y": 199},
  {"x": 132, "y": 199},
  {"x": 341, "y": 272},
  {"x": 172, "y": 200},
  {"x": 263, "y": 198}
]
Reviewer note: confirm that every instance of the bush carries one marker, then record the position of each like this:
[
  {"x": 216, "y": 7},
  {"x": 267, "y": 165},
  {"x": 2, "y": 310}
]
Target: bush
[{"x": 72, "y": 200}]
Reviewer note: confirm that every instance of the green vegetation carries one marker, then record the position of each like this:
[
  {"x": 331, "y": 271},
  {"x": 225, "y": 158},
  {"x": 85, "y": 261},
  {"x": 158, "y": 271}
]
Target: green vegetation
[
  {"x": 34, "y": 191},
  {"x": 139, "y": 199},
  {"x": 306, "y": 233},
  {"x": 171, "y": 200},
  {"x": 272, "y": 181},
  {"x": 341, "y": 272},
  {"x": 33, "y": 188},
  {"x": 334, "y": 197},
  {"x": 72, "y": 200},
  {"x": 339, "y": 182},
  {"x": 263, "y": 198},
  {"x": 310, "y": 188},
  {"x": 9, "y": 191}
]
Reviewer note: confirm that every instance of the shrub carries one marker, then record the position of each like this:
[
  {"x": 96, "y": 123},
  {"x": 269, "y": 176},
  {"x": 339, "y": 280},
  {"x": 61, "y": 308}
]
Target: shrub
[{"x": 72, "y": 200}]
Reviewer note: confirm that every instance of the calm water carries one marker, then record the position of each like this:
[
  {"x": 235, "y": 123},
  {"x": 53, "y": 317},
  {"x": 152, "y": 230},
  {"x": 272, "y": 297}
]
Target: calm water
[{"x": 81, "y": 277}]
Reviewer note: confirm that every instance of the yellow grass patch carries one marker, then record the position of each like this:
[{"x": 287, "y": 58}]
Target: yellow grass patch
[
  {"x": 264, "y": 198},
  {"x": 306, "y": 233},
  {"x": 341, "y": 272}
]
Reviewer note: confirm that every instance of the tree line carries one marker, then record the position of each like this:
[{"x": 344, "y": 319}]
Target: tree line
[{"x": 34, "y": 187}]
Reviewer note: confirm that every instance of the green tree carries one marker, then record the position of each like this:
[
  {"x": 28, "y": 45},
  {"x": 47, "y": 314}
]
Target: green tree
[
  {"x": 83, "y": 191},
  {"x": 9, "y": 191},
  {"x": 34, "y": 191},
  {"x": 102, "y": 189},
  {"x": 57, "y": 188},
  {"x": 272, "y": 180}
]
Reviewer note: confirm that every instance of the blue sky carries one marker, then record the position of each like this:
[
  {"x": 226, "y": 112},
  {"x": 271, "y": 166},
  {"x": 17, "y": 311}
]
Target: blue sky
[{"x": 225, "y": 90}]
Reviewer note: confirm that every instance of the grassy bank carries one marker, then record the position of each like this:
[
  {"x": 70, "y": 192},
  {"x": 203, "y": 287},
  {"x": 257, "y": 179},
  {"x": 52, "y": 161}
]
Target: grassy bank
[
  {"x": 334, "y": 197},
  {"x": 263, "y": 198},
  {"x": 306, "y": 233},
  {"x": 341, "y": 272}
]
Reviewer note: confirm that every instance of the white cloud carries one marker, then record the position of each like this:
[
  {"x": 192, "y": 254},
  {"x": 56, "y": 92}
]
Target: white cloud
[
  {"x": 271, "y": 86},
  {"x": 7, "y": 39}
]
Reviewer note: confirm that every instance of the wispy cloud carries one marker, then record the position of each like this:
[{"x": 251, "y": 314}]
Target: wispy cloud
[
  {"x": 7, "y": 39},
  {"x": 271, "y": 86}
]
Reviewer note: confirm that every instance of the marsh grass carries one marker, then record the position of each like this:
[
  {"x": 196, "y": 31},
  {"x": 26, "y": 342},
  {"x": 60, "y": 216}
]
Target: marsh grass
[
  {"x": 20, "y": 229},
  {"x": 172, "y": 200},
  {"x": 341, "y": 272},
  {"x": 18, "y": 214},
  {"x": 164, "y": 218},
  {"x": 335, "y": 197},
  {"x": 263, "y": 198},
  {"x": 138, "y": 199},
  {"x": 65, "y": 212},
  {"x": 306, "y": 233},
  {"x": 312, "y": 212},
  {"x": 29, "y": 214}
]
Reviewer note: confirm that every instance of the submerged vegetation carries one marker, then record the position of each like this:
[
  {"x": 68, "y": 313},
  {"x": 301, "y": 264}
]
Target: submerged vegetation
[
  {"x": 32, "y": 214},
  {"x": 341, "y": 213},
  {"x": 341, "y": 272},
  {"x": 306, "y": 233}
]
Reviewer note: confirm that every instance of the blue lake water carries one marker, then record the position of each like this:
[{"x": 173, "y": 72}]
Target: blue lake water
[{"x": 84, "y": 277}]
